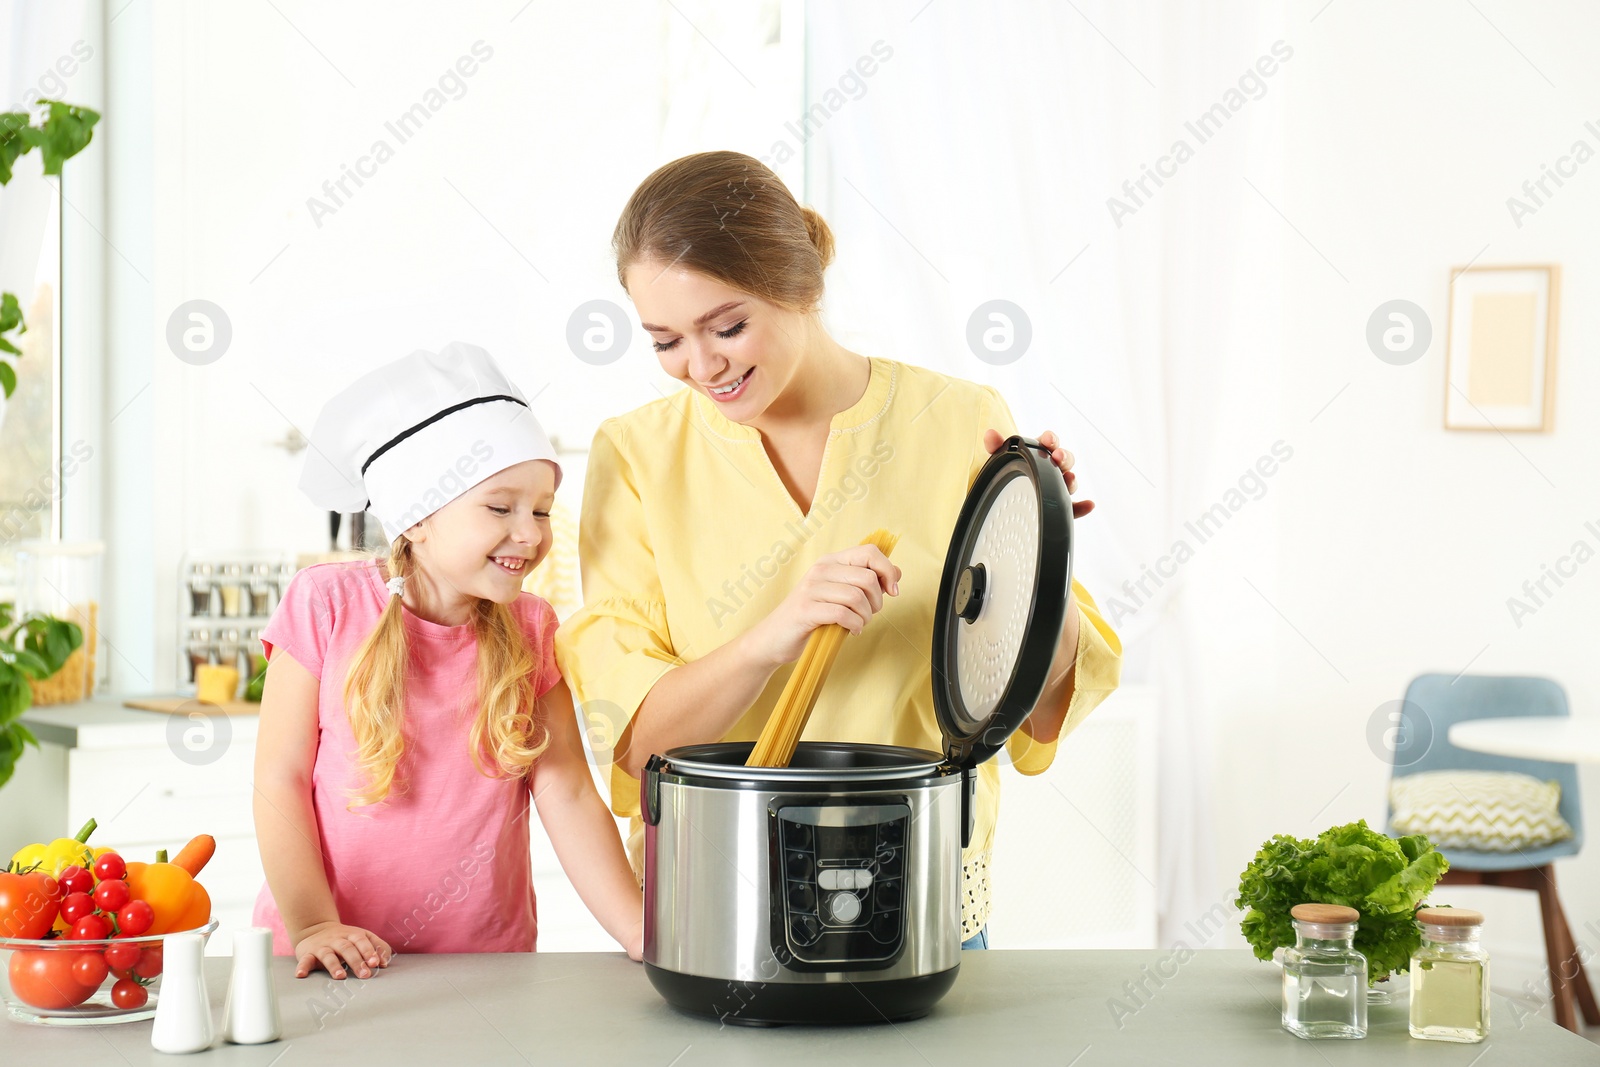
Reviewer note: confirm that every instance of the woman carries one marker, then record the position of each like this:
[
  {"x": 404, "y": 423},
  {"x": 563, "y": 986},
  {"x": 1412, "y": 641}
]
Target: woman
[{"x": 722, "y": 524}]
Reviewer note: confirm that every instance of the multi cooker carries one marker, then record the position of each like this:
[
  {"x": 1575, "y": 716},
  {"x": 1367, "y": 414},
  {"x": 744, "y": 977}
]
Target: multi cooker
[{"x": 830, "y": 890}]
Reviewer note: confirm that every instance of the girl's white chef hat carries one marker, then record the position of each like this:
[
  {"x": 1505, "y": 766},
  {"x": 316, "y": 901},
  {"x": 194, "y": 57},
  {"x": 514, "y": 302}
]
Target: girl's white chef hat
[{"x": 406, "y": 439}]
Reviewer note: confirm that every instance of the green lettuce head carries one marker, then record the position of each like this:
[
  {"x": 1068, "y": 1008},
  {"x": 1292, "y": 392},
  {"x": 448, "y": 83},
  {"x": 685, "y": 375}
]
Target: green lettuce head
[{"x": 1384, "y": 878}]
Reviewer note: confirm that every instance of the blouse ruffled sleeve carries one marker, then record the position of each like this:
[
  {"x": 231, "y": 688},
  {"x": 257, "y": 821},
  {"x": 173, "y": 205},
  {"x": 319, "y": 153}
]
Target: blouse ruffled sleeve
[{"x": 615, "y": 648}]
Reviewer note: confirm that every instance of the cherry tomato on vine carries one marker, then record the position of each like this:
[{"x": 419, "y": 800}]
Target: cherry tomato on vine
[
  {"x": 129, "y": 994},
  {"x": 75, "y": 879},
  {"x": 111, "y": 894},
  {"x": 109, "y": 867},
  {"x": 135, "y": 918}
]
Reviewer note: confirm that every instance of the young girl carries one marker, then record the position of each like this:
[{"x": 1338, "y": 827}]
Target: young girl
[{"x": 413, "y": 705}]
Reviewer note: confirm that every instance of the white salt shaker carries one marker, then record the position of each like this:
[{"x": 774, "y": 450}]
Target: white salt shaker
[
  {"x": 251, "y": 1014},
  {"x": 183, "y": 1009}
]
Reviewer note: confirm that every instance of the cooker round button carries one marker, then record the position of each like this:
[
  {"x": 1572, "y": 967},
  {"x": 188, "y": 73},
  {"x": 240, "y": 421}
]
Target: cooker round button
[
  {"x": 845, "y": 907},
  {"x": 805, "y": 929},
  {"x": 799, "y": 865},
  {"x": 801, "y": 897}
]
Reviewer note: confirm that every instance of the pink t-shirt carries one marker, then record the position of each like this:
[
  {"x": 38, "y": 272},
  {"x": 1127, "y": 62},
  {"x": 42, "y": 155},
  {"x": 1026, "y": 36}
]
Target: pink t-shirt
[{"x": 442, "y": 867}]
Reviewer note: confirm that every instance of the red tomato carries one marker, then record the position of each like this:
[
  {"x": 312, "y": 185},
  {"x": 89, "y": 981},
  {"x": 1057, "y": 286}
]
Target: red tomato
[
  {"x": 75, "y": 907},
  {"x": 128, "y": 994},
  {"x": 28, "y": 904},
  {"x": 111, "y": 894},
  {"x": 90, "y": 928},
  {"x": 149, "y": 964},
  {"x": 121, "y": 955},
  {"x": 44, "y": 978},
  {"x": 76, "y": 880},
  {"x": 135, "y": 918},
  {"x": 90, "y": 969},
  {"x": 109, "y": 867}
]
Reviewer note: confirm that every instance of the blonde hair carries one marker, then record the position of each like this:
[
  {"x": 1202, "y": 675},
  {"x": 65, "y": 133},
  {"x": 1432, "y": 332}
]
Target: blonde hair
[
  {"x": 505, "y": 732},
  {"x": 727, "y": 215}
]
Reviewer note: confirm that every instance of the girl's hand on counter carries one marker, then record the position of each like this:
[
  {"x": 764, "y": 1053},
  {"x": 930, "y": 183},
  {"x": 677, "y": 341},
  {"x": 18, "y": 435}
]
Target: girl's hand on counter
[
  {"x": 335, "y": 945},
  {"x": 846, "y": 588},
  {"x": 635, "y": 942},
  {"x": 992, "y": 440}
]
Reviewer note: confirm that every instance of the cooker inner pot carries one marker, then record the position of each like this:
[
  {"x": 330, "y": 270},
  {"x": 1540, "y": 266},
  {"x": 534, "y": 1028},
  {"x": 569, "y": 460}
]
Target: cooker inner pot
[{"x": 833, "y": 760}]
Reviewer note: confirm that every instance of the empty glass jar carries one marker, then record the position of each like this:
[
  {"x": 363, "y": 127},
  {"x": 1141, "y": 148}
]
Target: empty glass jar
[
  {"x": 1450, "y": 977},
  {"x": 1324, "y": 977}
]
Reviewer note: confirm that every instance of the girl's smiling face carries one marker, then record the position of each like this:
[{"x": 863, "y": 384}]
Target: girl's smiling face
[
  {"x": 736, "y": 348},
  {"x": 484, "y": 542}
]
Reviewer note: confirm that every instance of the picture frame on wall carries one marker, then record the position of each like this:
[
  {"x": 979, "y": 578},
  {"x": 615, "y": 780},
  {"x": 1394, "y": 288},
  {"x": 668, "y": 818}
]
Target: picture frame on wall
[{"x": 1500, "y": 362}]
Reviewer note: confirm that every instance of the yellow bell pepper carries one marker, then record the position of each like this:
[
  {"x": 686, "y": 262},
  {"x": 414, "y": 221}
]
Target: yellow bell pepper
[{"x": 59, "y": 854}]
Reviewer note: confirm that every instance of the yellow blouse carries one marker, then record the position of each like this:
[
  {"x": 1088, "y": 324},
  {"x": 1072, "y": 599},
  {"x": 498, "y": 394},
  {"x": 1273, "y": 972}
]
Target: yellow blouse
[{"x": 688, "y": 538}]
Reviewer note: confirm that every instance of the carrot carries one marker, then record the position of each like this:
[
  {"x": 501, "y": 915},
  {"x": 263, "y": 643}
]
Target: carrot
[{"x": 196, "y": 854}]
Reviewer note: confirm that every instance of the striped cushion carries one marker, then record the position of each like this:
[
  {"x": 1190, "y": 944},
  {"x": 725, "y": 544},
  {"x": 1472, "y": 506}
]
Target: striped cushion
[{"x": 1486, "y": 811}]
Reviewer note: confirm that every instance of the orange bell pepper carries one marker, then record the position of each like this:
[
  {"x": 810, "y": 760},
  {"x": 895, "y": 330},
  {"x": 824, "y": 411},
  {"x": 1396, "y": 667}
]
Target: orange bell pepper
[{"x": 179, "y": 902}]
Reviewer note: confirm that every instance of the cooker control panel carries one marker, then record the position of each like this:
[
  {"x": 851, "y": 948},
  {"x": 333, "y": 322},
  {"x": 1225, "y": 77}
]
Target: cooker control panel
[{"x": 839, "y": 882}]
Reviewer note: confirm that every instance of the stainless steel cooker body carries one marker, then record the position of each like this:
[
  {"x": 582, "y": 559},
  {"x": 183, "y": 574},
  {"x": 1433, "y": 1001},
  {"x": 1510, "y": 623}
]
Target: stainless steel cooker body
[{"x": 825, "y": 891}]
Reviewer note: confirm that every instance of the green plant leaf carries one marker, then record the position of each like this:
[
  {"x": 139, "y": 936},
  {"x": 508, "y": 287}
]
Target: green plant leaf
[
  {"x": 13, "y": 143},
  {"x": 67, "y": 130},
  {"x": 31, "y": 663},
  {"x": 11, "y": 313},
  {"x": 52, "y": 640},
  {"x": 15, "y": 696},
  {"x": 10, "y": 319},
  {"x": 12, "y": 740}
]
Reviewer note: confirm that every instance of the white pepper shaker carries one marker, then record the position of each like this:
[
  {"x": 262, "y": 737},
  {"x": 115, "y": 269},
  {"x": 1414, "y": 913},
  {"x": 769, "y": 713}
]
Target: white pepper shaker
[
  {"x": 251, "y": 1014},
  {"x": 183, "y": 1008}
]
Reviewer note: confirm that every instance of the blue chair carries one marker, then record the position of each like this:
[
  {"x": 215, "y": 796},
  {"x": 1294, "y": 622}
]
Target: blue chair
[{"x": 1433, "y": 703}]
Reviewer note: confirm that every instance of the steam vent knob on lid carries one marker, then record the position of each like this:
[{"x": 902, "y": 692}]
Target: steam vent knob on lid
[{"x": 969, "y": 592}]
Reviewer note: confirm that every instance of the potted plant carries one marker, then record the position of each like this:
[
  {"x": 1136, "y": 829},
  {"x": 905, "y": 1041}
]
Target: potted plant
[{"x": 34, "y": 646}]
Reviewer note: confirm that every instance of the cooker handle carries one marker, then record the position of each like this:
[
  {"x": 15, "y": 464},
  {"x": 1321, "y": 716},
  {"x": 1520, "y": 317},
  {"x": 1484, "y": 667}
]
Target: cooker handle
[
  {"x": 969, "y": 803},
  {"x": 650, "y": 790}
]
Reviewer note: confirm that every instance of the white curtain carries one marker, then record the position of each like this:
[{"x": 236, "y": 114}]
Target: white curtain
[{"x": 977, "y": 164}]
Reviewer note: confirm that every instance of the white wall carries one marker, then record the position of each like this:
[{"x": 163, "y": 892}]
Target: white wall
[
  {"x": 490, "y": 223},
  {"x": 1408, "y": 127}
]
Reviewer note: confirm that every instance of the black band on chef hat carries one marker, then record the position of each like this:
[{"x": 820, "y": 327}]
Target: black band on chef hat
[{"x": 425, "y": 423}]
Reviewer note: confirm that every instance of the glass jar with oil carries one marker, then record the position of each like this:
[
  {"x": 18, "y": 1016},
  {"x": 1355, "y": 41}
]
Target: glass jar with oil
[{"x": 1450, "y": 977}]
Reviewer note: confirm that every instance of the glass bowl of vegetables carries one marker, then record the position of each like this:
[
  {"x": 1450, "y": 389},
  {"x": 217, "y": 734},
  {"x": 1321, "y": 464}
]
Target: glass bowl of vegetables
[
  {"x": 65, "y": 982},
  {"x": 82, "y": 935}
]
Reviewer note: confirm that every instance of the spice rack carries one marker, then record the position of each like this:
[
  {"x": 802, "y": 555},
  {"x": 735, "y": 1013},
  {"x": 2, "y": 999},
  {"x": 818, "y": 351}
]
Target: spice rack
[{"x": 224, "y": 601}]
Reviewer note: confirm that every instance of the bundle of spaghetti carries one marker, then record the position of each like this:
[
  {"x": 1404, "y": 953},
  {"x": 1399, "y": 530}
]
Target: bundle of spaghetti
[{"x": 775, "y": 747}]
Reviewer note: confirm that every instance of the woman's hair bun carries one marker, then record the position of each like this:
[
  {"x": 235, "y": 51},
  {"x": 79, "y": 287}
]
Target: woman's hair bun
[{"x": 821, "y": 236}]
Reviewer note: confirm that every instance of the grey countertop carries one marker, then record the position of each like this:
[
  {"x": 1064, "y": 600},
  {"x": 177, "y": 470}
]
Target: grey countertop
[{"x": 1214, "y": 1007}]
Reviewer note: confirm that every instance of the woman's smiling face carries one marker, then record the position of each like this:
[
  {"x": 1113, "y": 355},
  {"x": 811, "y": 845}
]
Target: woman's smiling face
[{"x": 736, "y": 348}]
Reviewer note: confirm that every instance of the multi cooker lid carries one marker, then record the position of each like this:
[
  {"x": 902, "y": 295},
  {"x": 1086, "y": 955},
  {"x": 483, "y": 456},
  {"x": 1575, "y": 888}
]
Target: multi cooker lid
[{"x": 1002, "y": 600}]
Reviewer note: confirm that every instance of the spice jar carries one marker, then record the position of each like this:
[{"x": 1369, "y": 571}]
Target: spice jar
[
  {"x": 1324, "y": 977},
  {"x": 1450, "y": 977}
]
